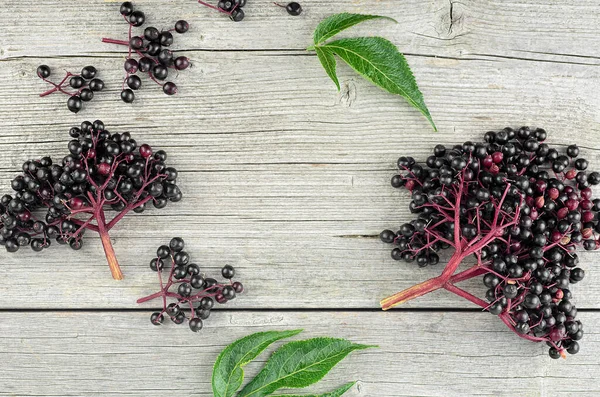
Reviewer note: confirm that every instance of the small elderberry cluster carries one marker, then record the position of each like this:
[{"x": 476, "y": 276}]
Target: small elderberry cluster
[
  {"x": 85, "y": 83},
  {"x": 154, "y": 56},
  {"x": 102, "y": 171},
  {"x": 194, "y": 291},
  {"x": 521, "y": 208},
  {"x": 232, "y": 8}
]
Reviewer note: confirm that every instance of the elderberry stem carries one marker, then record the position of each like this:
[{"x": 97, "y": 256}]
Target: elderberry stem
[
  {"x": 115, "y": 41},
  {"x": 130, "y": 207},
  {"x": 466, "y": 295},
  {"x": 472, "y": 272},
  {"x": 150, "y": 297},
  {"x": 426, "y": 286},
  {"x": 109, "y": 251}
]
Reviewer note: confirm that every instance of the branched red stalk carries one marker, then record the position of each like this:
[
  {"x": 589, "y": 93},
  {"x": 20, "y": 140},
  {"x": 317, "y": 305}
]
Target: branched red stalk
[
  {"x": 462, "y": 249},
  {"x": 58, "y": 87}
]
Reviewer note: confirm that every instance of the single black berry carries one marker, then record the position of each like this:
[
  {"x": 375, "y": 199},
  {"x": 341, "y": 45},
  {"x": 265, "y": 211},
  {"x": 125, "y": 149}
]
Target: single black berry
[
  {"x": 43, "y": 71},
  {"x": 74, "y": 104},
  {"x": 127, "y": 95},
  {"x": 293, "y": 8}
]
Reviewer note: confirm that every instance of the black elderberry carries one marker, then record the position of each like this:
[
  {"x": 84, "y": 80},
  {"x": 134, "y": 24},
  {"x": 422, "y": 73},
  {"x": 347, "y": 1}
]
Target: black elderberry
[
  {"x": 74, "y": 104},
  {"x": 196, "y": 324},
  {"x": 43, "y": 71},
  {"x": 160, "y": 72},
  {"x": 169, "y": 88},
  {"x": 293, "y": 8},
  {"x": 96, "y": 85},
  {"x": 137, "y": 18},
  {"x": 181, "y": 26},
  {"x": 127, "y": 95},
  {"x": 134, "y": 82},
  {"x": 76, "y": 82},
  {"x": 126, "y": 8},
  {"x": 157, "y": 318},
  {"x": 228, "y": 272},
  {"x": 86, "y": 94},
  {"x": 207, "y": 303},
  {"x": 166, "y": 39}
]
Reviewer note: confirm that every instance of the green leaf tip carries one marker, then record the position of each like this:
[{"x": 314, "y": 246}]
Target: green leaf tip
[
  {"x": 328, "y": 61},
  {"x": 379, "y": 61},
  {"x": 299, "y": 364},
  {"x": 336, "y": 23}
]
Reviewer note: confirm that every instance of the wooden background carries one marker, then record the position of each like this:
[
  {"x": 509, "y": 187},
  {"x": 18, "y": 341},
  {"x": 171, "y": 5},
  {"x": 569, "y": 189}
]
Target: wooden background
[{"x": 287, "y": 180}]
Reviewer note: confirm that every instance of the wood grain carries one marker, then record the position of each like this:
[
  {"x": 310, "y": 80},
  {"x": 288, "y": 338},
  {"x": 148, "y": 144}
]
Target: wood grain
[
  {"x": 282, "y": 177},
  {"x": 430, "y": 354},
  {"x": 287, "y": 180},
  {"x": 536, "y": 30}
]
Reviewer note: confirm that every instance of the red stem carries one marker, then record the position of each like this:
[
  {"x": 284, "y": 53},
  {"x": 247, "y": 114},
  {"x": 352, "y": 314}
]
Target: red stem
[
  {"x": 109, "y": 251},
  {"x": 115, "y": 41}
]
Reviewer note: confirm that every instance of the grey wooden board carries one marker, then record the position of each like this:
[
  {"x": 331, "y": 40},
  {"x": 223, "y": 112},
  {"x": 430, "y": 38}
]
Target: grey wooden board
[
  {"x": 288, "y": 180},
  {"x": 419, "y": 354},
  {"x": 293, "y": 187}
]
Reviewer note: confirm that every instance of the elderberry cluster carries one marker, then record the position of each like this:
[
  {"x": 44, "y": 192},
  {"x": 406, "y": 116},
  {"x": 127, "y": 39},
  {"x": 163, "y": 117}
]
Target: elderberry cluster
[
  {"x": 154, "y": 56},
  {"x": 194, "y": 291},
  {"x": 61, "y": 200},
  {"x": 85, "y": 83},
  {"x": 521, "y": 208}
]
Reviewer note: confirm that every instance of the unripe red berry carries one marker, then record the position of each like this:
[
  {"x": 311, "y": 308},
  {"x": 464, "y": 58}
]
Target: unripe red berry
[
  {"x": 586, "y": 193},
  {"x": 539, "y": 201},
  {"x": 76, "y": 203},
  {"x": 587, "y": 216},
  {"x": 104, "y": 168},
  {"x": 145, "y": 151},
  {"x": 562, "y": 213},
  {"x": 487, "y": 161},
  {"x": 497, "y": 157}
]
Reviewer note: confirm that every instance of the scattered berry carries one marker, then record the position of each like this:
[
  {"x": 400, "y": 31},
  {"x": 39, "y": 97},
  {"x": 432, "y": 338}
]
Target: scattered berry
[
  {"x": 153, "y": 57},
  {"x": 192, "y": 290},
  {"x": 83, "y": 84},
  {"x": 292, "y": 8}
]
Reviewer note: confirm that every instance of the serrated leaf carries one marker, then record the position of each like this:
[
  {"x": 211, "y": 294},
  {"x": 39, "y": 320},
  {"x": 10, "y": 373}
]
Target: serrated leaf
[
  {"x": 334, "y": 24},
  {"x": 336, "y": 393},
  {"x": 328, "y": 61},
  {"x": 379, "y": 61},
  {"x": 228, "y": 373},
  {"x": 299, "y": 364}
]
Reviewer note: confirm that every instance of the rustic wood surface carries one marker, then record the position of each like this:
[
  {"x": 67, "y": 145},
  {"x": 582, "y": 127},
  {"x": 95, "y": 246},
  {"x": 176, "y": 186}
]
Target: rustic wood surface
[{"x": 288, "y": 180}]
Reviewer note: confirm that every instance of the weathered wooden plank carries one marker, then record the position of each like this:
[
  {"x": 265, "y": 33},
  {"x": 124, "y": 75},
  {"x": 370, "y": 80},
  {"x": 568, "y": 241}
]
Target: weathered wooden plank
[
  {"x": 535, "y": 30},
  {"x": 280, "y": 177},
  {"x": 420, "y": 354}
]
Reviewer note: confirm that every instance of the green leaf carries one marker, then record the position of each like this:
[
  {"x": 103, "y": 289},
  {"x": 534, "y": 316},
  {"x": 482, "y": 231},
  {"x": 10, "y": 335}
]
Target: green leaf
[
  {"x": 299, "y": 364},
  {"x": 379, "y": 61},
  {"x": 334, "y": 24},
  {"x": 336, "y": 393},
  {"x": 328, "y": 61},
  {"x": 228, "y": 374}
]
